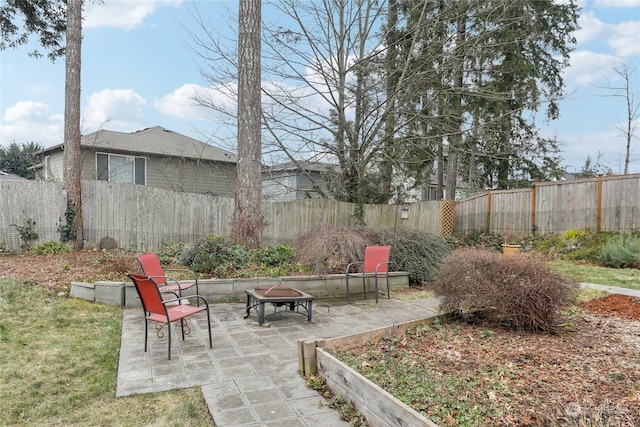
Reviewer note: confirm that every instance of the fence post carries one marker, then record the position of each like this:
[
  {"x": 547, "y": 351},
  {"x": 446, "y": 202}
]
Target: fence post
[
  {"x": 599, "y": 204},
  {"x": 533, "y": 207},
  {"x": 489, "y": 211}
]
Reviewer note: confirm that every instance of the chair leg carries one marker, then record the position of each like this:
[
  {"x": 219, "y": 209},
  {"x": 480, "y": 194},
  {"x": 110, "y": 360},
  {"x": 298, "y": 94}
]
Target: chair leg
[
  {"x": 348, "y": 300},
  {"x": 376, "y": 290},
  {"x": 209, "y": 325},
  {"x": 169, "y": 338},
  {"x": 364, "y": 286},
  {"x": 146, "y": 333},
  {"x": 388, "y": 288}
]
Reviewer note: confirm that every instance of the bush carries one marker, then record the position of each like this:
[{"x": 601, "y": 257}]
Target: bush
[
  {"x": 621, "y": 252},
  {"x": 273, "y": 255},
  {"x": 328, "y": 249},
  {"x": 222, "y": 258},
  {"x": 481, "y": 239},
  {"x": 518, "y": 290},
  {"x": 416, "y": 252},
  {"x": 51, "y": 247},
  {"x": 215, "y": 255},
  {"x": 572, "y": 245}
]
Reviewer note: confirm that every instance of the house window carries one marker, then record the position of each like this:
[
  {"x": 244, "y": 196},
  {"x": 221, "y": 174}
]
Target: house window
[
  {"x": 47, "y": 168},
  {"x": 115, "y": 168}
]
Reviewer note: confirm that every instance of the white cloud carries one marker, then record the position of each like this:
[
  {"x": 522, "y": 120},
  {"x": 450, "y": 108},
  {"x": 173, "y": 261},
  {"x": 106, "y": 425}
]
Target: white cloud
[
  {"x": 617, "y": 3},
  {"x": 30, "y": 121},
  {"x": 606, "y": 147},
  {"x": 591, "y": 28},
  {"x": 589, "y": 67},
  {"x": 122, "y": 109},
  {"x": 626, "y": 38},
  {"x": 121, "y": 14},
  {"x": 182, "y": 103}
]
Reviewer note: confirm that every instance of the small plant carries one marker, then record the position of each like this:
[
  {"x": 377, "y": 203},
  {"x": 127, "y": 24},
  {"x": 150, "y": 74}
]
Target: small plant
[
  {"x": 315, "y": 382},
  {"x": 51, "y": 247},
  {"x": 487, "y": 333},
  {"x": 621, "y": 252},
  {"x": 27, "y": 233},
  {"x": 68, "y": 230},
  {"x": 65, "y": 265}
]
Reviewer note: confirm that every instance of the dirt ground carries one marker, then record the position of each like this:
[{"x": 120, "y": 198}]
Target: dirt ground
[{"x": 57, "y": 271}]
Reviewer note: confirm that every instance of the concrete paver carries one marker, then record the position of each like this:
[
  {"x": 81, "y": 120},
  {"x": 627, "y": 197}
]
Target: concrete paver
[{"x": 250, "y": 376}]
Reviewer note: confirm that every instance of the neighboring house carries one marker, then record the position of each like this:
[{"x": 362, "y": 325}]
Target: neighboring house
[
  {"x": 296, "y": 181},
  {"x": 155, "y": 157},
  {"x": 10, "y": 177}
]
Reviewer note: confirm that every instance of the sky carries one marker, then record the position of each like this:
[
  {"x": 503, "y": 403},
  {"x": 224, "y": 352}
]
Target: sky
[{"x": 139, "y": 70}]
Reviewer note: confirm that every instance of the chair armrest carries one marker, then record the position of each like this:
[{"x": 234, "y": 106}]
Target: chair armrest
[
  {"x": 178, "y": 299},
  {"x": 183, "y": 270},
  {"x": 354, "y": 264},
  {"x": 382, "y": 263}
]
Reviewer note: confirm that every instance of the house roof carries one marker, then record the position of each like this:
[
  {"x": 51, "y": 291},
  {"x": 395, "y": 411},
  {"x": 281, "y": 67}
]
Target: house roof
[
  {"x": 10, "y": 177},
  {"x": 155, "y": 141},
  {"x": 304, "y": 165}
]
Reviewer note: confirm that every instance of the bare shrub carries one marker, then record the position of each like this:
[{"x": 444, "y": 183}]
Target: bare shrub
[
  {"x": 519, "y": 290},
  {"x": 328, "y": 250}
]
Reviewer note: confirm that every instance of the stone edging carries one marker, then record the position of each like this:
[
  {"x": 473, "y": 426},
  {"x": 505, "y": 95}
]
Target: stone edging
[{"x": 331, "y": 285}]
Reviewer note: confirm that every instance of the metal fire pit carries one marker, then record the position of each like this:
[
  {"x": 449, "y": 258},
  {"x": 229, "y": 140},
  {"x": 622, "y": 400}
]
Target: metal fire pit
[{"x": 279, "y": 296}]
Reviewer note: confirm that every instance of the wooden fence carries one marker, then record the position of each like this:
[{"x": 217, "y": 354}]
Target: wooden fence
[
  {"x": 609, "y": 203},
  {"x": 141, "y": 218}
]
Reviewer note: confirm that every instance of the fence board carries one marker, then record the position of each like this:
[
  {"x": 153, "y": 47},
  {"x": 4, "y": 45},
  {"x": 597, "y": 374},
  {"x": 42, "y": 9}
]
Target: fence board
[{"x": 141, "y": 218}]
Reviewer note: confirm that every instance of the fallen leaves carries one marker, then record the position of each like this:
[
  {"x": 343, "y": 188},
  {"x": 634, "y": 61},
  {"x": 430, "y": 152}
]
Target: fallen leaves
[{"x": 470, "y": 375}]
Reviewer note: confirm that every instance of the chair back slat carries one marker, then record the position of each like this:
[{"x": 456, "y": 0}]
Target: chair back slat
[
  {"x": 150, "y": 264},
  {"x": 149, "y": 294},
  {"x": 374, "y": 255}
]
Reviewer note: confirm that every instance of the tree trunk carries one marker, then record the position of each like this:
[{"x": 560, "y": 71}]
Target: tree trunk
[
  {"x": 72, "y": 135},
  {"x": 247, "y": 221}
]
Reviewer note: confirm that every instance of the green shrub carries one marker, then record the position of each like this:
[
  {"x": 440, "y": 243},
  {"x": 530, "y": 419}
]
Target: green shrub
[
  {"x": 480, "y": 239},
  {"x": 621, "y": 252},
  {"x": 170, "y": 253},
  {"x": 518, "y": 290},
  {"x": 273, "y": 255},
  {"x": 573, "y": 245},
  {"x": 416, "y": 252},
  {"x": 216, "y": 255},
  {"x": 222, "y": 258},
  {"x": 51, "y": 247}
]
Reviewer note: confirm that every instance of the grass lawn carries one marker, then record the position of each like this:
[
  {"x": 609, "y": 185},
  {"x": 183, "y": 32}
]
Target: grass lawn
[
  {"x": 621, "y": 277},
  {"x": 58, "y": 366}
]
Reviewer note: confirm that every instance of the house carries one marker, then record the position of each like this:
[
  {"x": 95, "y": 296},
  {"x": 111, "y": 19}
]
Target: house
[
  {"x": 154, "y": 157},
  {"x": 297, "y": 180},
  {"x": 10, "y": 177}
]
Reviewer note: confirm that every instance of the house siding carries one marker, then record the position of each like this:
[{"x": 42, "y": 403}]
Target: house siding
[{"x": 204, "y": 177}]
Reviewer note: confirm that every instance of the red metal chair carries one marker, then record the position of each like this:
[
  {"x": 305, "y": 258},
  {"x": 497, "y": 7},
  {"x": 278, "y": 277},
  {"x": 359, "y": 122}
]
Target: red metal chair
[
  {"x": 375, "y": 264},
  {"x": 163, "y": 311},
  {"x": 151, "y": 267}
]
